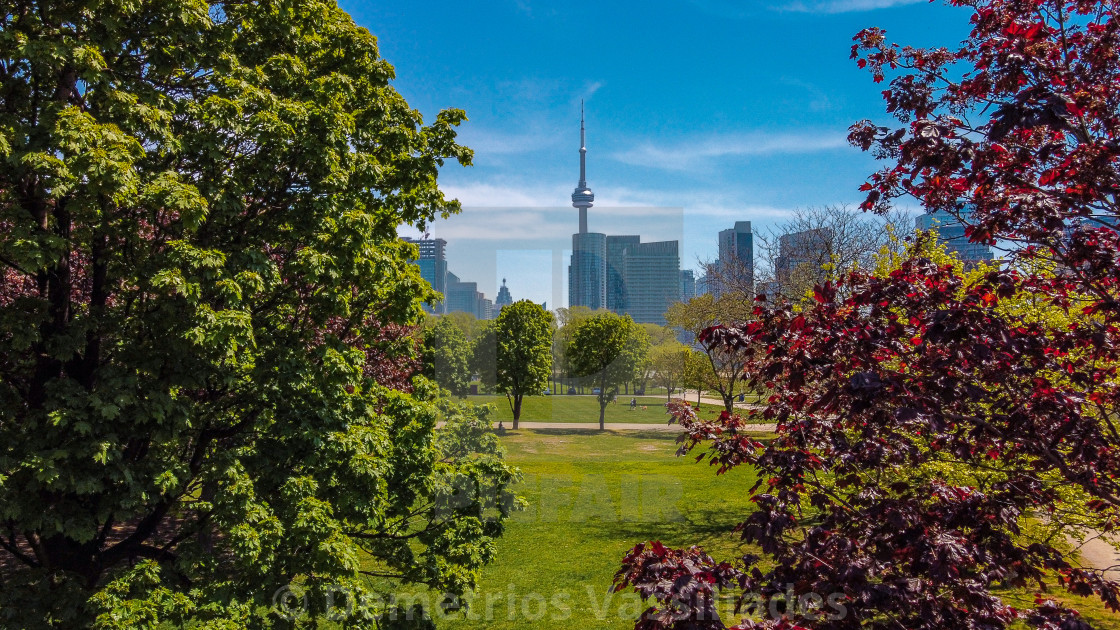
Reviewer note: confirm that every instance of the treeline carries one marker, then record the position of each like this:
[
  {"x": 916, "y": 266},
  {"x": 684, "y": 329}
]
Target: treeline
[{"x": 528, "y": 351}]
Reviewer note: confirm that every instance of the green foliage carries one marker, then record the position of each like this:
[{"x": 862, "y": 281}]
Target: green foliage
[
  {"x": 659, "y": 335},
  {"x": 204, "y": 316},
  {"x": 470, "y": 325},
  {"x": 698, "y": 372},
  {"x": 568, "y": 319},
  {"x": 523, "y": 337},
  {"x": 725, "y": 372},
  {"x": 610, "y": 348},
  {"x": 484, "y": 358},
  {"x": 447, "y": 357},
  {"x": 669, "y": 363}
]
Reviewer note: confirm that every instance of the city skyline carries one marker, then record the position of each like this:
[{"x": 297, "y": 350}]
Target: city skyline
[{"x": 727, "y": 110}]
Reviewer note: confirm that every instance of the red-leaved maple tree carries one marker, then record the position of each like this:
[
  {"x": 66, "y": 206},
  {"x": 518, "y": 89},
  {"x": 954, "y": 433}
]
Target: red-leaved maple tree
[{"x": 935, "y": 429}]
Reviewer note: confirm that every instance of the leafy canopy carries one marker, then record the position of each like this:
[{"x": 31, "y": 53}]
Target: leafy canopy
[
  {"x": 523, "y": 365},
  {"x": 447, "y": 356},
  {"x": 926, "y": 417},
  {"x": 204, "y": 317},
  {"x": 611, "y": 350}
]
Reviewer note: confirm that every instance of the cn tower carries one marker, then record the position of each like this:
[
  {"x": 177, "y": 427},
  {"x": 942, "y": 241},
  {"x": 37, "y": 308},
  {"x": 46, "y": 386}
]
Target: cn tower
[
  {"x": 587, "y": 275},
  {"x": 582, "y": 197}
]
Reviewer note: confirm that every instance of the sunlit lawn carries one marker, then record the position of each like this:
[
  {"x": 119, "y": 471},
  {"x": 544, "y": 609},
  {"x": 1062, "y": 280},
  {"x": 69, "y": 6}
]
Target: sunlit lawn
[
  {"x": 562, "y": 408},
  {"x": 591, "y": 498}
]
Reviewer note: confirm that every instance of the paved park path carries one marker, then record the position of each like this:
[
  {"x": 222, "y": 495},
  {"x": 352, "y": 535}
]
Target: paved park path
[
  {"x": 1099, "y": 554},
  {"x": 614, "y": 426}
]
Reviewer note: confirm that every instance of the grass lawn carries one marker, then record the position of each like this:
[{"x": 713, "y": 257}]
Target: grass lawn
[
  {"x": 591, "y": 498},
  {"x": 586, "y": 409}
]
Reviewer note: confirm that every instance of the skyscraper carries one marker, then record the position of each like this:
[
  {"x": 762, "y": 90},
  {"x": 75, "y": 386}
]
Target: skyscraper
[
  {"x": 433, "y": 267},
  {"x": 950, "y": 230},
  {"x": 806, "y": 248},
  {"x": 688, "y": 284},
  {"x": 802, "y": 257},
  {"x": 587, "y": 273},
  {"x": 616, "y": 270},
  {"x": 504, "y": 298},
  {"x": 652, "y": 273},
  {"x": 736, "y": 259}
]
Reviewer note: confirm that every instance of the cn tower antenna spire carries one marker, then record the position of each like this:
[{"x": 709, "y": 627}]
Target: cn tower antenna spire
[
  {"x": 582, "y": 149},
  {"x": 582, "y": 197}
]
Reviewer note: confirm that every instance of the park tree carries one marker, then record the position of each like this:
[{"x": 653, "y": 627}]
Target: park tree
[
  {"x": 658, "y": 334},
  {"x": 697, "y": 373},
  {"x": 206, "y": 350},
  {"x": 470, "y": 325},
  {"x": 669, "y": 362},
  {"x": 728, "y": 363},
  {"x": 484, "y": 358},
  {"x": 447, "y": 357},
  {"x": 567, "y": 320},
  {"x": 822, "y": 243},
  {"x": 609, "y": 350},
  {"x": 523, "y": 334},
  {"x": 928, "y": 419}
]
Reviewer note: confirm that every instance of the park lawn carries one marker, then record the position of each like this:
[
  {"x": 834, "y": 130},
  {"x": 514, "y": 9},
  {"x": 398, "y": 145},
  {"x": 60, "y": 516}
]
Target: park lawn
[
  {"x": 558, "y": 557},
  {"x": 650, "y": 410},
  {"x": 592, "y": 497}
]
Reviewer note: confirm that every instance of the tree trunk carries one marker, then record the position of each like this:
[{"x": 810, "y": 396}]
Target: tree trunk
[
  {"x": 603, "y": 401},
  {"x": 516, "y": 409},
  {"x": 698, "y": 395},
  {"x": 729, "y": 402}
]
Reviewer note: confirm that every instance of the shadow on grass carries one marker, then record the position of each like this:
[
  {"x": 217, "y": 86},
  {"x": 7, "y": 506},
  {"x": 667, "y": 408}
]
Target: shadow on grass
[{"x": 698, "y": 527}]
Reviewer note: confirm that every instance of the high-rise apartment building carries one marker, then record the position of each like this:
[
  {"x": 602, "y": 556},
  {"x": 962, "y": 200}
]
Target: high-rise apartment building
[
  {"x": 688, "y": 284},
  {"x": 703, "y": 284},
  {"x": 652, "y": 275},
  {"x": 736, "y": 259},
  {"x": 433, "y": 267},
  {"x": 808, "y": 248},
  {"x": 951, "y": 230}
]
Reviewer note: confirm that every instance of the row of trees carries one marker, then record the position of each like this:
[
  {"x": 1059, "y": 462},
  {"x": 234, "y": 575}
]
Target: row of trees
[{"x": 519, "y": 352}]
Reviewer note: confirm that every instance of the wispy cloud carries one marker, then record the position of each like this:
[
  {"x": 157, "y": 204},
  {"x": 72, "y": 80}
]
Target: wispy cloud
[
  {"x": 486, "y": 142},
  {"x": 739, "y": 9},
  {"x": 506, "y": 194},
  {"x": 843, "y": 6},
  {"x": 591, "y": 89},
  {"x": 700, "y": 153},
  {"x": 818, "y": 101}
]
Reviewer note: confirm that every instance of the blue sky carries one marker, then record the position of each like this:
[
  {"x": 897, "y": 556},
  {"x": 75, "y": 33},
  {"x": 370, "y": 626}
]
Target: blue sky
[{"x": 719, "y": 109}]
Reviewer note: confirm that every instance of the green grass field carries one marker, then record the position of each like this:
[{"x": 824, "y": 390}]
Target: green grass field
[
  {"x": 586, "y": 409},
  {"x": 591, "y": 498}
]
